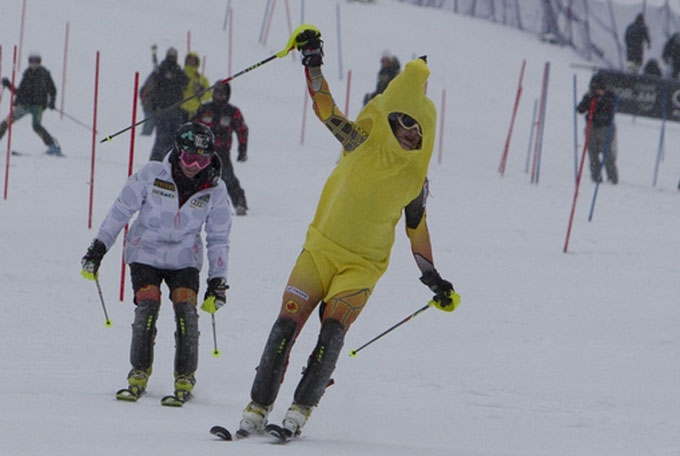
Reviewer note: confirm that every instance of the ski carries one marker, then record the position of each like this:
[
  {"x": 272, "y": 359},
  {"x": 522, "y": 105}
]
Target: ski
[
  {"x": 176, "y": 400},
  {"x": 222, "y": 433},
  {"x": 281, "y": 434},
  {"x": 130, "y": 395}
]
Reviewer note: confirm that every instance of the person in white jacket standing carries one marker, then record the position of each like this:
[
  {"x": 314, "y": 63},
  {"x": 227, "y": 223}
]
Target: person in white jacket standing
[{"x": 174, "y": 200}]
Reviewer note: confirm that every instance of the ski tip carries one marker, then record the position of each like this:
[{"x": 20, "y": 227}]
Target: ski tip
[{"x": 221, "y": 432}]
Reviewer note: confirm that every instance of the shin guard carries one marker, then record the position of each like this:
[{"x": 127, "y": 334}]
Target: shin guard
[
  {"x": 144, "y": 334},
  {"x": 321, "y": 363},
  {"x": 186, "y": 338},
  {"x": 274, "y": 361}
]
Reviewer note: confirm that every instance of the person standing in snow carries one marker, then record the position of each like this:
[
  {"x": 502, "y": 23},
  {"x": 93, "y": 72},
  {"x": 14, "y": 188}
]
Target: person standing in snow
[
  {"x": 381, "y": 174},
  {"x": 603, "y": 120},
  {"x": 636, "y": 35},
  {"x": 174, "y": 200},
  {"x": 226, "y": 119},
  {"x": 36, "y": 92},
  {"x": 168, "y": 84},
  {"x": 197, "y": 83},
  {"x": 389, "y": 69},
  {"x": 671, "y": 54},
  {"x": 145, "y": 95}
]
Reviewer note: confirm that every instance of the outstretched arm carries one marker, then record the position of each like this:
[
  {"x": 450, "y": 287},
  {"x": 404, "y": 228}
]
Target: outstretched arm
[{"x": 345, "y": 131}]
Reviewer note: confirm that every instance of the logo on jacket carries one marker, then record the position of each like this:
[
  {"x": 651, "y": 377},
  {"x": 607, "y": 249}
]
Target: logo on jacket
[
  {"x": 200, "y": 202},
  {"x": 163, "y": 188}
]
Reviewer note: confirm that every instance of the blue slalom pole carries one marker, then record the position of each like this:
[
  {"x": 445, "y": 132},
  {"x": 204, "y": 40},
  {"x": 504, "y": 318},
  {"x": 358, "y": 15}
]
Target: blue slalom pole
[
  {"x": 531, "y": 136},
  {"x": 659, "y": 154},
  {"x": 607, "y": 142},
  {"x": 575, "y": 133}
]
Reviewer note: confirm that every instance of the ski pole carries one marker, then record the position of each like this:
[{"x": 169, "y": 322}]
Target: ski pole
[
  {"x": 108, "y": 323},
  {"x": 79, "y": 122},
  {"x": 354, "y": 352},
  {"x": 281, "y": 54},
  {"x": 216, "y": 351}
]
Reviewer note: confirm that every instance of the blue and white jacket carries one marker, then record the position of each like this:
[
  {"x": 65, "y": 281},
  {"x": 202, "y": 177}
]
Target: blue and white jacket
[{"x": 165, "y": 234}]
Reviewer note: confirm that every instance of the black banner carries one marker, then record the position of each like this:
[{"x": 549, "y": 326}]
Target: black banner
[{"x": 645, "y": 96}]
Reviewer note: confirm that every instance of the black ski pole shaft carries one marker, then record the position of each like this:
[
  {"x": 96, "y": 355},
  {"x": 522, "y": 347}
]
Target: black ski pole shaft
[
  {"x": 79, "y": 122},
  {"x": 354, "y": 352},
  {"x": 216, "y": 351},
  {"x": 196, "y": 95},
  {"x": 108, "y": 322}
]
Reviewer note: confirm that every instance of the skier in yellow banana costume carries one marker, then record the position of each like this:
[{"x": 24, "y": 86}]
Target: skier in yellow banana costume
[{"x": 382, "y": 173}]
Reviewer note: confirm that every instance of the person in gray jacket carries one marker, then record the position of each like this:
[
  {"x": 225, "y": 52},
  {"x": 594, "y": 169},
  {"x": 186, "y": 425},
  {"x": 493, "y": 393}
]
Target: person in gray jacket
[{"x": 174, "y": 200}]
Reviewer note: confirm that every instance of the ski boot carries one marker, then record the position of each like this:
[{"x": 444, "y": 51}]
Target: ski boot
[
  {"x": 254, "y": 419},
  {"x": 55, "y": 150},
  {"x": 184, "y": 386},
  {"x": 295, "y": 419},
  {"x": 137, "y": 380}
]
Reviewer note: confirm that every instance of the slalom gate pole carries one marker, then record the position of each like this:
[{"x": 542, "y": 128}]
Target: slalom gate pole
[
  {"x": 539, "y": 125},
  {"x": 63, "y": 72},
  {"x": 108, "y": 323},
  {"x": 21, "y": 35},
  {"x": 230, "y": 40},
  {"x": 504, "y": 156},
  {"x": 353, "y": 353},
  {"x": 575, "y": 132},
  {"x": 226, "y": 15},
  {"x": 216, "y": 351},
  {"x": 531, "y": 136},
  {"x": 607, "y": 143},
  {"x": 659, "y": 154},
  {"x": 269, "y": 23},
  {"x": 2, "y": 88},
  {"x": 11, "y": 121},
  {"x": 94, "y": 139},
  {"x": 264, "y": 20},
  {"x": 339, "y": 28},
  {"x": 304, "y": 116},
  {"x": 546, "y": 82},
  {"x": 131, "y": 160},
  {"x": 349, "y": 85},
  {"x": 580, "y": 173}
]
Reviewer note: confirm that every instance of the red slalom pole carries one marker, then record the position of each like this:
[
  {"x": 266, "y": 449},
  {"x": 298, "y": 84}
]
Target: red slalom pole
[
  {"x": 504, "y": 156},
  {"x": 580, "y": 172},
  {"x": 441, "y": 128},
  {"x": 130, "y": 166},
  {"x": 94, "y": 138},
  {"x": 349, "y": 85},
  {"x": 63, "y": 74},
  {"x": 11, "y": 121}
]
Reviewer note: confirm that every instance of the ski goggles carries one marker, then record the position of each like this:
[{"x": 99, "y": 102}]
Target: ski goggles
[
  {"x": 407, "y": 123},
  {"x": 198, "y": 155}
]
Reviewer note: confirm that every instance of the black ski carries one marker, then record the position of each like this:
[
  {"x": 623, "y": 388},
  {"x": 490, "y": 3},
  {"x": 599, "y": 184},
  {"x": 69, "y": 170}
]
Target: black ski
[
  {"x": 222, "y": 433},
  {"x": 176, "y": 400},
  {"x": 282, "y": 435},
  {"x": 128, "y": 394}
]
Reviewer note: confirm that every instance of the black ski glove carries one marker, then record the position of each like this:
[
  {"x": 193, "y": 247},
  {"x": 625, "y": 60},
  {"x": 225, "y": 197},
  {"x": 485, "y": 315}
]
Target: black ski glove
[
  {"x": 242, "y": 153},
  {"x": 216, "y": 295},
  {"x": 92, "y": 259},
  {"x": 309, "y": 42},
  {"x": 444, "y": 294}
]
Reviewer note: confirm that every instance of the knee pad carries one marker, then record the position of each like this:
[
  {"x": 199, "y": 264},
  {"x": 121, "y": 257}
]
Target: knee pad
[
  {"x": 274, "y": 361},
  {"x": 186, "y": 338},
  {"x": 144, "y": 333},
  {"x": 321, "y": 363}
]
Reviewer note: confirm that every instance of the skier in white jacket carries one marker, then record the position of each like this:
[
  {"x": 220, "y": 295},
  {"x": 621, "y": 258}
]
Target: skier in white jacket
[{"x": 174, "y": 199}]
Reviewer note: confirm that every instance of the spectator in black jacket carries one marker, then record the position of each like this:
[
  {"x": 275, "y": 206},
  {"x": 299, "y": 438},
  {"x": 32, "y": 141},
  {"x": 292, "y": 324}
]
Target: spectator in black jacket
[
  {"x": 636, "y": 35},
  {"x": 224, "y": 120},
  {"x": 603, "y": 117},
  {"x": 671, "y": 54},
  {"x": 652, "y": 68},
  {"x": 168, "y": 84},
  {"x": 35, "y": 93},
  {"x": 389, "y": 68}
]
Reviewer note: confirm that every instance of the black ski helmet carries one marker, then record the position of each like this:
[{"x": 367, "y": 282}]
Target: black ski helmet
[
  {"x": 195, "y": 138},
  {"x": 597, "y": 81},
  {"x": 224, "y": 90}
]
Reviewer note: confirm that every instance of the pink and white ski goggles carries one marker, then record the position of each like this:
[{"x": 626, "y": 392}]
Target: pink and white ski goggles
[{"x": 195, "y": 161}]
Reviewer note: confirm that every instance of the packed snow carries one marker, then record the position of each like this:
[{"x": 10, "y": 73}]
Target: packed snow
[{"x": 548, "y": 354}]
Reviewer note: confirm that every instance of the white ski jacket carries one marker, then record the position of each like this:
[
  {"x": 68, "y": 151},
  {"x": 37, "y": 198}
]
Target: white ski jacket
[{"x": 165, "y": 235}]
